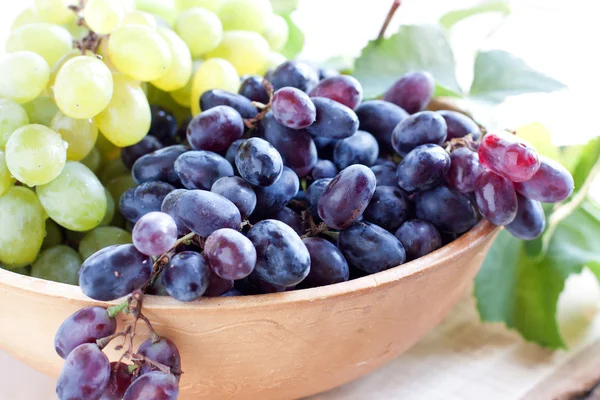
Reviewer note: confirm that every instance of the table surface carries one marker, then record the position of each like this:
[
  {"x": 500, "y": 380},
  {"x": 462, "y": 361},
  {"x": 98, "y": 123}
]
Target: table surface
[{"x": 460, "y": 359}]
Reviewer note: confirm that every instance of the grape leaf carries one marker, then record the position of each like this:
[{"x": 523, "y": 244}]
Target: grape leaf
[
  {"x": 451, "y": 18},
  {"x": 595, "y": 268},
  {"x": 412, "y": 48},
  {"x": 284, "y": 7},
  {"x": 588, "y": 160},
  {"x": 295, "y": 41},
  {"x": 499, "y": 74}
]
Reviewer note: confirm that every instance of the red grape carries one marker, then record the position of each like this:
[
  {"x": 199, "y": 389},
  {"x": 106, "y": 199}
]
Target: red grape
[
  {"x": 84, "y": 326},
  {"x": 119, "y": 382},
  {"x": 465, "y": 168},
  {"x": 509, "y": 156},
  {"x": 155, "y": 233},
  {"x": 154, "y": 385},
  {"x": 551, "y": 183},
  {"x": 230, "y": 254},
  {"x": 344, "y": 89},
  {"x": 293, "y": 108},
  {"x": 412, "y": 92},
  {"x": 85, "y": 374},
  {"x": 496, "y": 198}
]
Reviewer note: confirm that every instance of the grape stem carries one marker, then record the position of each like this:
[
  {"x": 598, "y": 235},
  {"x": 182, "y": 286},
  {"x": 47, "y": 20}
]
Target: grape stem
[
  {"x": 264, "y": 108},
  {"x": 395, "y": 5},
  {"x": 102, "y": 343},
  {"x": 313, "y": 229}
]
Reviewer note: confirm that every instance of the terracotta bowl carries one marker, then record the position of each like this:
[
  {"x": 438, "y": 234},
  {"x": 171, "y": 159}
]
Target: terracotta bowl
[{"x": 276, "y": 346}]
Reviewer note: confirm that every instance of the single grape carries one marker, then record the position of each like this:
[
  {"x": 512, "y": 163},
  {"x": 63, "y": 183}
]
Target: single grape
[
  {"x": 154, "y": 385},
  {"x": 139, "y": 18},
  {"x": 459, "y": 125},
  {"x": 204, "y": 212},
  {"x": 49, "y": 41},
  {"x": 296, "y": 147},
  {"x": 465, "y": 168},
  {"x": 449, "y": 210},
  {"x": 295, "y": 74},
  {"x": 346, "y": 197},
  {"x": 164, "y": 351},
  {"x": 370, "y": 248},
  {"x": 496, "y": 198},
  {"x": 186, "y": 276},
  {"x": 25, "y": 17},
  {"x": 84, "y": 326},
  {"x": 179, "y": 73},
  {"x": 170, "y": 206},
  {"x": 314, "y": 193},
  {"x": 119, "y": 381},
  {"x": 293, "y": 108},
  {"x": 379, "y": 118},
  {"x": 290, "y": 218},
  {"x": 426, "y": 127},
  {"x": 344, "y": 89},
  {"x": 247, "y": 51},
  {"x": 258, "y": 162},
  {"x": 327, "y": 264},
  {"x": 282, "y": 258},
  {"x": 158, "y": 166},
  {"x": 155, "y": 233},
  {"x": 276, "y": 32},
  {"x": 419, "y": 238},
  {"x": 324, "y": 169},
  {"x": 130, "y": 154},
  {"x": 53, "y": 11},
  {"x": 216, "y": 97},
  {"x": 252, "y": 88},
  {"x": 114, "y": 272},
  {"x": 215, "y": 129},
  {"x": 530, "y": 221},
  {"x": 334, "y": 120},
  {"x": 13, "y": 116},
  {"x": 103, "y": 16},
  {"x": 552, "y": 183},
  {"x": 164, "y": 124},
  {"x": 80, "y": 135},
  {"x": 85, "y": 374},
  {"x": 238, "y": 191},
  {"x": 360, "y": 148},
  {"x": 388, "y": 208},
  {"x": 100, "y": 238},
  {"x": 54, "y": 235},
  {"x": 277, "y": 195},
  {"x": 232, "y": 151},
  {"x": 385, "y": 174},
  {"x": 25, "y": 75},
  {"x": 247, "y": 15},
  {"x": 200, "y": 29},
  {"x": 146, "y": 198},
  {"x": 217, "y": 286},
  {"x": 200, "y": 169},
  {"x": 412, "y": 92},
  {"x": 6, "y": 179},
  {"x": 41, "y": 110},
  {"x": 230, "y": 254},
  {"x": 58, "y": 264},
  {"x": 215, "y": 73},
  {"x": 509, "y": 156},
  {"x": 423, "y": 168}
]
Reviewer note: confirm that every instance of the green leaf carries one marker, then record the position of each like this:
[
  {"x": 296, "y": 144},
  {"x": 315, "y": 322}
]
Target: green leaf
[
  {"x": 449, "y": 19},
  {"x": 295, "y": 41},
  {"x": 588, "y": 160},
  {"x": 569, "y": 156},
  {"x": 441, "y": 91},
  {"x": 595, "y": 268},
  {"x": 412, "y": 48},
  {"x": 499, "y": 74},
  {"x": 540, "y": 138},
  {"x": 284, "y": 7}
]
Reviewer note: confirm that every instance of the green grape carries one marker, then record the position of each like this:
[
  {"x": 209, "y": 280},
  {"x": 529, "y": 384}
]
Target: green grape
[
  {"x": 103, "y": 16},
  {"x": 110, "y": 209},
  {"x": 12, "y": 117},
  {"x": 180, "y": 71},
  {"x": 23, "y": 76},
  {"x": 54, "y": 11},
  {"x": 58, "y": 264},
  {"x": 107, "y": 150},
  {"x": 48, "y": 40},
  {"x": 117, "y": 187},
  {"x": 22, "y": 221},
  {"x": 200, "y": 29},
  {"x": 140, "y": 52},
  {"x": 126, "y": 119},
  {"x": 75, "y": 199},
  {"x": 245, "y": 15},
  {"x": 276, "y": 32},
  {"x": 41, "y": 110},
  {"x": 211, "y": 5},
  {"x": 83, "y": 87},
  {"x": 80, "y": 134},
  {"x": 76, "y": 30},
  {"x": 26, "y": 270},
  {"x": 102, "y": 237},
  {"x": 73, "y": 238},
  {"x": 93, "y": 160},
  {"x": 58, "y": 65},
  {"x": 139, "y": 18},
  {"x": 6, "y": 179},
  {"x": 165, "y": 9},
  {"x": 25, "y": 17},
  {"x": 183, "y": 95},
  {"x": 274, "y": 60},
  {"x": 35, "y": 154},
  {"x": 111, "y": 170},
  {"x": 54, "y": 235},
  {"x": 246, "y": 51},
  {"x": 215, "y": 73},
  {"x": 104, "y": 54}
]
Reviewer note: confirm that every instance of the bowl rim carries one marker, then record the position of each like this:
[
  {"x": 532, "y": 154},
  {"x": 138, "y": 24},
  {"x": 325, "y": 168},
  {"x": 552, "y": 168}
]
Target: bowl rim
[{"x": 474, "y": 237}]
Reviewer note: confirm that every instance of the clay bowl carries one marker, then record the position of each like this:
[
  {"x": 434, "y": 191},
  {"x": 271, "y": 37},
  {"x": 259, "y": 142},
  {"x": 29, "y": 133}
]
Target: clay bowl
[{"x": 276, "y": 346}]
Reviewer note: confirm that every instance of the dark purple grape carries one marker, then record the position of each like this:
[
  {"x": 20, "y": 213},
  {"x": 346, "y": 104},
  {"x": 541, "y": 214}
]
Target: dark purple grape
[
  {"x": 204, "y": 212},
  {"x": 426, "y": 127},
  {"x": 232, "y": 151},
  {"x": 325, "y": 73},
  {"x": 258, "y": 162},
  {"x": 509, "y": 156},
  {"x": 370, "y": 248},
  {"x": 412, "y": 92},
  {"x": 114, "y": 272},
  {"x": 85, "y": 374},
  {"x": 230, "y": 254},
  {"x": 139, "y": 201},
  {"x": 238, "y": 191},
  {"x": 347, "y": 196},
  {"x": 334, "y": 120},
  {"x": 384, "y": 161},
  {"x": 496, "y": 198},
  {"x": 118, "y": 383},
  {"x": 465, "y": 168},
  {"x": 84, "y": 326},
  {"x": 325, "y": 146},
  {"x": 158, "y": 166},
  {"x": 200, "y": 169},
  {"x": 459, "y": 125},
  {"x": 164, "y": 125},
  {"x": 314, "y": 193},
  {"x": 217, "y": 286},
  {"x": 327, "y": 264},
  {"x": 379, "y": 118},
  {"x": 258, "y": 286},
  {"x": 164, "y": 351},
  {"x": 217, "y": 97},
  {"x": 324, "y": 169},
  {"x": 423, "y": 168},
  {"x": 282, "y": 258},
  {"x": 419, "y": 238},
  {"x": 154, "y": 234},
  {"x": 154, "y": 385},
  {"x": 130, "y": 154},
  {"x": 295, "y": 74},
  {"x": 169, "y": 206},
  {"x": 360, "y": 148},
  {"x": 344, "y": 89},
  {"x": 215, "y": 129},
  {"x": 530, "y": 221},
  {"x": 388, "y": 208},
  {"x": 276, "y": 196},
  {"x": 296, "y": 147},
  {"x": 447, "y": 209},
  {"x": 252, "y": 88},
  {"x": 385, "y": 174},
  {"x": 552, "y": 183},
  {"x": 186, "y": 276},
  {"x": 290, "y": 218},
  {"x": 293, "y": 108}
]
